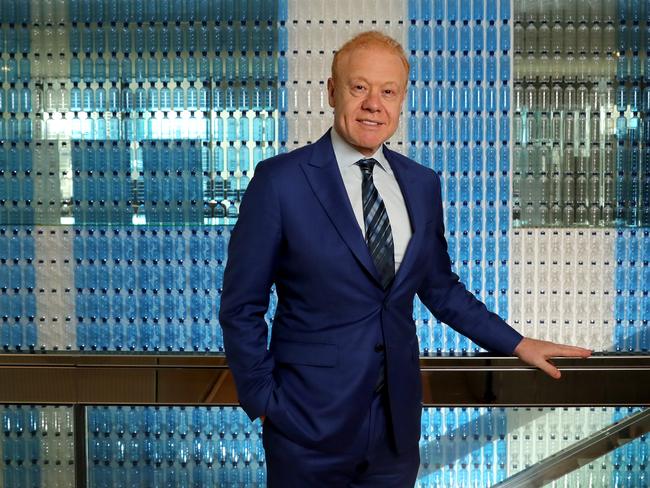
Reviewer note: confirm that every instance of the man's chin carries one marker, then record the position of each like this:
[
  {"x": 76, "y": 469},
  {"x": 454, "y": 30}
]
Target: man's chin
[
  {"x": 368, "y": 150},
  {"x": 369, "y": 144}
]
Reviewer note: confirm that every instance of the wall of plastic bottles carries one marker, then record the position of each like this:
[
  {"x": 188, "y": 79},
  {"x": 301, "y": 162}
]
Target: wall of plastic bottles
[
  {"x": 565, "y": 152},
  {"x": 632, "y": 281},
  {"x": 174, "y": 447},
  {"x": 37, "y": 447},
  {"x": 129, "y": 130},
  {"x": 75, "y": 198},
  {"x": 563, "y": 286},
  {"x": 579, "y": 160},
  {"x": 458, "y": 125},
  {"x": 482, "y": 446},
  {"x": 580, "y": 139},
  {"x": 163, "y": 108},
  {"x": 219, "y": 446}
]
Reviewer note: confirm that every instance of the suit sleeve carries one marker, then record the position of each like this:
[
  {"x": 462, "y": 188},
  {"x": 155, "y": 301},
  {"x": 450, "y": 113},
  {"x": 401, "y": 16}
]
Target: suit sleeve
[
  {"x": 252, "y": 257},
  {"x": 450, "y": 302}
]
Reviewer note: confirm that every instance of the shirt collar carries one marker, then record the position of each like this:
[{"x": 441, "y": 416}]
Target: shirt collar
[{"x": 347, "y": 156}]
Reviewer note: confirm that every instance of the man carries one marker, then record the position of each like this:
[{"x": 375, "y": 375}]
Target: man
[{"x": 349, "y": 232}]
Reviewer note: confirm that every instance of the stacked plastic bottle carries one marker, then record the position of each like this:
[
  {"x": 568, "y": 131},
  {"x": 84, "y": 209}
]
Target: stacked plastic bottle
[
  {"x": 480, "y": 446},
  {"x": 147, "y": 289},
  {"x": 578, "y": 126},
  {"x": 578, "y": 159},
  {"x": 48, "y": 176},
  {"x": 16, "y": 184},
  {"x": 174, "y": 446},
  {"x": 562, "y": 285},
  {"x": 458, "y": 125},
  {"x": 17, "y": 289},
  {"x": 168, "y": 108},
  {"x": 15, "y": 74},
  {"x": 144, "y": 72},
  {"x": 37, "y": 447},
  {"x": 102, "y": 183},
  {"x": 16, "y": 171},
  {"x": 17, "y": 253},
  {"x": 146, "y": 113},
  {"x": 463, "y": 447},
  {"x": 156, "y": 113},
  {"x": 632, "y": 104},
  {"x": 539, "y": 433},
  {"x": 51, "y": 114},
  {"x": 632, "y": 284},
  {"x": 629, "y": 463}
]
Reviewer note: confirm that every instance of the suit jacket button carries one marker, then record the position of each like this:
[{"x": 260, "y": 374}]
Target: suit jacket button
[{"x": 379, "y": 347}]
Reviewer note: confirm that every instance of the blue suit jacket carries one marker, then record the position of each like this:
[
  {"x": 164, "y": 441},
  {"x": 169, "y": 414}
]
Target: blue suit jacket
[{"x": 297, "y": 229}]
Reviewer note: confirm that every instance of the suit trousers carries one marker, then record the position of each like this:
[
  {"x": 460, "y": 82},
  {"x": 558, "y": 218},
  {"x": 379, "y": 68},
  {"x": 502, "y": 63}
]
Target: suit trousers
[{"x": 371, "y": 461}]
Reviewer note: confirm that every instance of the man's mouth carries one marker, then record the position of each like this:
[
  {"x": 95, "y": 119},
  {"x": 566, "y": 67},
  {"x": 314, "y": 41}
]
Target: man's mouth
[{"x": 370, "y": 123}]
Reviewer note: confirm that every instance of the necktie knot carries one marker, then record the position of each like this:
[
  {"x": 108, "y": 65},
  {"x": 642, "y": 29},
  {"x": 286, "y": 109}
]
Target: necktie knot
[{"x": 366, "y": 165}]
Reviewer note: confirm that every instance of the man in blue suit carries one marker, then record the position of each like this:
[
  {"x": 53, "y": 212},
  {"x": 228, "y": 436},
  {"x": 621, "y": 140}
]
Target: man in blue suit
[{"x": 348, "y": 231}]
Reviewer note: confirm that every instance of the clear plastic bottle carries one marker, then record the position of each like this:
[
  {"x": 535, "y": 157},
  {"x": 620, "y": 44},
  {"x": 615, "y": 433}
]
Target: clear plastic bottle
[
  {"x": 50, "y": 99},
  {"x": 569, "y": 128},
  {"x": 582, "y": 39},
  {"x": 609, "y": 161},
  {"x": 609, "y": 39},
  {"x": 568, "y": 215},
  {"x": 531, "y": 41},
  {"x": 544, "y": 43},
  {"x": 557, "y": 38},
  {"x": 596, "y": 39},
  {"x": 594, "y": 164},
  {"x": 569, "y": 39}
]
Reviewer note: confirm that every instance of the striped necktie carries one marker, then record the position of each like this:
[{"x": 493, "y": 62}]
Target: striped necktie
[{"x": 378, "y": 232}]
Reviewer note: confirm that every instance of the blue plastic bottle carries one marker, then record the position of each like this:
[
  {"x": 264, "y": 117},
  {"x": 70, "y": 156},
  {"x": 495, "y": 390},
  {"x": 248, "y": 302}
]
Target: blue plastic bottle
[
  {"x": 126, "y": 68},
  {"x": 75, "y": 98},
  {"x": 88, "y": 68},
  {"x": 179, "y": 69},
  {"x": 178, "y": 96}
]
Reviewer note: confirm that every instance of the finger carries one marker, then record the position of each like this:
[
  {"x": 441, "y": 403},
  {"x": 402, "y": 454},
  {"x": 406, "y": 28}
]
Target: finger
[
  {"x": 550, "y": 369},
  {"x": 573, "y": 351}
]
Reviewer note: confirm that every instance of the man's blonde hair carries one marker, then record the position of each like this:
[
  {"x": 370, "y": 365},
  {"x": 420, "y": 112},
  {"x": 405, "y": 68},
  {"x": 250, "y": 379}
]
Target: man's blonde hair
[{"x": 370, "y": 39}]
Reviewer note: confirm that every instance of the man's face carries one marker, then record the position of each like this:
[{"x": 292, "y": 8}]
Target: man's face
[{"x": 367, "y": 96}]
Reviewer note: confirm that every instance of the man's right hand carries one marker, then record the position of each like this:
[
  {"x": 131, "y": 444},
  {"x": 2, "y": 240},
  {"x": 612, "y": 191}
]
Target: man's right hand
[{"x": 539, "y": 353}]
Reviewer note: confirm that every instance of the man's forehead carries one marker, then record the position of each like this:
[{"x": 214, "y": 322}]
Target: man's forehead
[
  {"x": 360, "y": 77},
  {"x": 344, "y": 65},
  {"x": 365, "y": 48}
]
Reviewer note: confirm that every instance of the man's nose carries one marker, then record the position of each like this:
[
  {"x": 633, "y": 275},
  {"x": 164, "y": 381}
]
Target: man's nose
[{"x": 372, "y": 101}]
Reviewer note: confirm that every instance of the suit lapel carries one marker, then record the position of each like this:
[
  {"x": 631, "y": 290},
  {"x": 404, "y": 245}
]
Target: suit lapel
[
  {"x": 407, "y": 181},
  {"x": 325, "y": 179}
]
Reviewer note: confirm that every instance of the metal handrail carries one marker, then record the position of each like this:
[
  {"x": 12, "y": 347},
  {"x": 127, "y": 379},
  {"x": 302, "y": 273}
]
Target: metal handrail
[{"x": 581, "y": 453}]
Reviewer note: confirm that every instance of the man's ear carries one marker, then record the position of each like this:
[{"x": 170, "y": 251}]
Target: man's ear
[{"x": 330, "y": 92}]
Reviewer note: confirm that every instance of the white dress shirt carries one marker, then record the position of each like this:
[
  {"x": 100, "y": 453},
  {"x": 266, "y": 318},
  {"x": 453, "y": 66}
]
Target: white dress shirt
[{"x": 387, "y": 186}]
